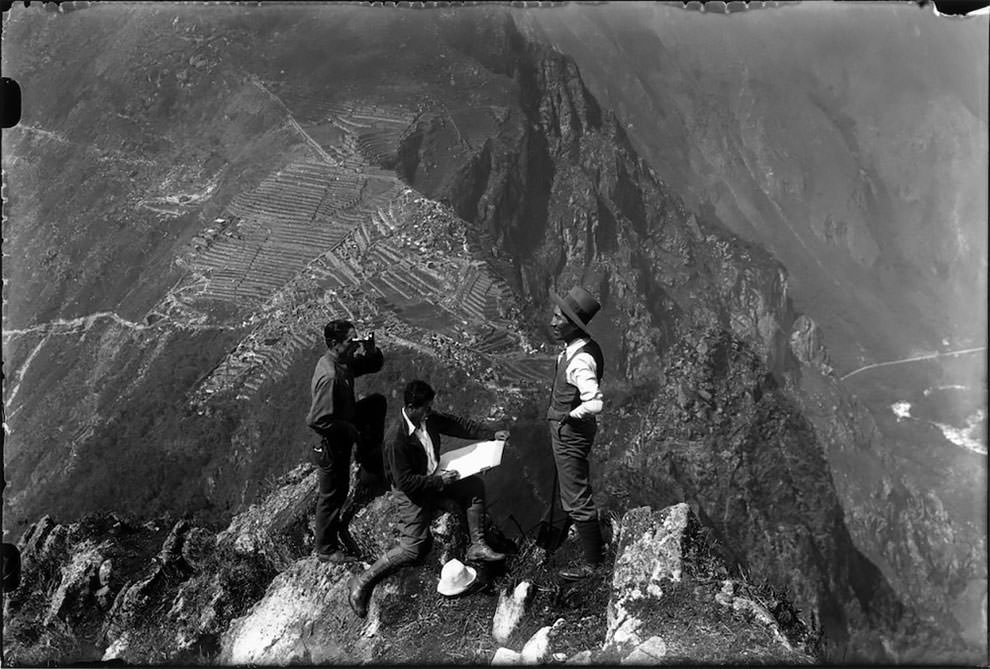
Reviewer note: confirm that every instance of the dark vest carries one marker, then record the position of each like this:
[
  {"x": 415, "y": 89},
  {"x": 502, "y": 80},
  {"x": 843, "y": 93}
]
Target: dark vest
[{"x": 564, "y": 397}]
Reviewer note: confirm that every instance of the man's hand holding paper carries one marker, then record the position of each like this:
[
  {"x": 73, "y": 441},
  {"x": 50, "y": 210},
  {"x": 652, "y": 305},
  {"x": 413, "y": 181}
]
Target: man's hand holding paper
[{"x": 473, "y": 458}]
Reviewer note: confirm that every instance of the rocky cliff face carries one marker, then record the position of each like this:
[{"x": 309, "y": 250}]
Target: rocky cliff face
[
  {"x": 917, "y": 518},
  {"x": 840, "y": 170},
  {"x": 620, "y": 230},
  {"x": 564, "y": 199},
  {"x": 109, "y": 589},
  {"x": 513, "y": 181},
  {"x": 846, "y": 183}
]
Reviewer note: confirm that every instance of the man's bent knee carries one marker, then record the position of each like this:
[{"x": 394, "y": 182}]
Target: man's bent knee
[{"x": 409, "y": 551}]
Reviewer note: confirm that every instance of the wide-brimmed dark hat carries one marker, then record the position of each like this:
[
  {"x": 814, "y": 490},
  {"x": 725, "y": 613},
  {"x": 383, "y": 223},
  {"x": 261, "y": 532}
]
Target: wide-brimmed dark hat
[{"x": 579, "y": 306}]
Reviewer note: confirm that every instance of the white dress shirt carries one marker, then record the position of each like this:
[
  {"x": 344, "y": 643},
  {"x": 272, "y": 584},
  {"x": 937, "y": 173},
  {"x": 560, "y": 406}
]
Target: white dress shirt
[
  {"x": 424, "y": 439},
  {"x": 582, "y": 374}
]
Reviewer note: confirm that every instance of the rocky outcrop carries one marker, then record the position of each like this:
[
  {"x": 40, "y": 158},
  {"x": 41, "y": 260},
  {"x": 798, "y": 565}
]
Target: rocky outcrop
[
  {"x": 302, "y": 619},
  {"x": 920, "y": 535},
  {"x": 200, "y": 597},
  {"x": 511, "y": 607},
  {"x": 807, "y": 344},
  {"x": 278, "y": 527},
  {"x": 71, "y": 577},
  {"x": 661, "y": 556},
  {"x": 141, "y": 594},
  {"x": 650, "y": 552},
  {"x": 563, "y": 198},
  {"x": 724, "y": 436}
]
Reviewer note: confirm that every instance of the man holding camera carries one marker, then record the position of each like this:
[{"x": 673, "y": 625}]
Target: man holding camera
[{"x": 342, "y": 422}]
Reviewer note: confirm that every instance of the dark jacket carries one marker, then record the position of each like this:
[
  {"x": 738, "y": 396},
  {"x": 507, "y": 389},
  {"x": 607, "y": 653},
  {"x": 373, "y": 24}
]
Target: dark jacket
[
  {"x": 331, "y": 414},
  {"x": 405, "y": 461}
]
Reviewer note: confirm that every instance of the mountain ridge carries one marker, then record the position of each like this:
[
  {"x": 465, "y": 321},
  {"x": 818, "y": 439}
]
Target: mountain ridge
[{"x": 669, "y": 275}]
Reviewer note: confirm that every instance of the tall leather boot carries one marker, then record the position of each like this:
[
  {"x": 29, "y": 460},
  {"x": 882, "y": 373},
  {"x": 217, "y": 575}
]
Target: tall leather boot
[
  {"x": 590, "y": 534},
  {"x": 362, "y": 584},
  {"x": 479, "y": 550}
]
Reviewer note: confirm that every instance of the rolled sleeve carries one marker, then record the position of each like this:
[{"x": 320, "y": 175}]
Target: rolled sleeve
[{"x": 582, "y": 373}]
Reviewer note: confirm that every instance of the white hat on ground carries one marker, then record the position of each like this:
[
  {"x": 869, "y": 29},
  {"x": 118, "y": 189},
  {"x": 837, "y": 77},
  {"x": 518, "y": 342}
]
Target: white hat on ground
[{"x": 455, "y": 578}]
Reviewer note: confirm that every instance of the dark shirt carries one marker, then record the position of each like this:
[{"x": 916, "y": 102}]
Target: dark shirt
[
  {"x": 405, "y": 459},
  {"x": 332, "y": 412}
]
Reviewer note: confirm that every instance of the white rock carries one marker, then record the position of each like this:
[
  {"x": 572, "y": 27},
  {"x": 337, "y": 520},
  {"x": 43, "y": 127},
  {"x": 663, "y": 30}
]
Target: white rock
[
  {"x": 509, "y": 612},
  {"x": 75, "y": 579},
  {"x": 270, "y": 633},
  {"x": 582, "y": 657},
  {"x": 649, "y": 652},
  {"x": 106, "y": 571},
  {"x": 506, "y": 656},
  {"x": 537, "y": 649},
  {"x": 649, "y": 556},
  {"x": 626, "y": 632},
  {"x": 116, "y": 649}
]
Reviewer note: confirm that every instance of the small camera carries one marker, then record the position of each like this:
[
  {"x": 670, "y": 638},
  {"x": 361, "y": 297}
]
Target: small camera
[{"x": 361, "y": 341}]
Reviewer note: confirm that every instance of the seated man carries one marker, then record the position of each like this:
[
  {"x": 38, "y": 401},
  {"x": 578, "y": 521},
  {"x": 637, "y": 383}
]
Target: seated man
[{"x": 412, "y": 454}]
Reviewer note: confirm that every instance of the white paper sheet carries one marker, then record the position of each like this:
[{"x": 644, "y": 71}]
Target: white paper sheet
[{"x": 473, "y": 458}]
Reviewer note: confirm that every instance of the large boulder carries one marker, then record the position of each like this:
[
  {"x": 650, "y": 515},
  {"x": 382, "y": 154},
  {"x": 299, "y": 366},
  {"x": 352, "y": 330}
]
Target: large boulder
[
  {"x": 650, "y": 558},
  {"x": 304, "y": 615},
  {"x": 666, "y": 602},
  {"x": 300, "y": 620},
  {"x": 279, "y": 527},
  {"x": 808, "y": 344},
  {"x": 511, "y": 608}
]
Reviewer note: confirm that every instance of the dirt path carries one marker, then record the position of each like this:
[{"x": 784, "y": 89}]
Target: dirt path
[{"x": 930, "y": 356}]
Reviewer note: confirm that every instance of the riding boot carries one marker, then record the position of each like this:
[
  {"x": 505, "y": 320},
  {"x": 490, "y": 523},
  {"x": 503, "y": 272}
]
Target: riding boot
[
  {"x": 479, "y": 550},
  {"x": 590, "y": 534},
  {"x": 361, "y": 585}
]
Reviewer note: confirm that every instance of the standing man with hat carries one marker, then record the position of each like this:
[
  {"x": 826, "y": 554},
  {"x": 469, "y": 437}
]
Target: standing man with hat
[{"x": 575, "y": 400}]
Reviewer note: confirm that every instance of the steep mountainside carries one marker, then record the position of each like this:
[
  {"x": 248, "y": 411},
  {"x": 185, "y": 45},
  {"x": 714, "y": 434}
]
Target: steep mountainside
[
  {"x": 432, "y": 183},
  {"x": 806, "y": 133},
  {"x": 851, "y": 141}
]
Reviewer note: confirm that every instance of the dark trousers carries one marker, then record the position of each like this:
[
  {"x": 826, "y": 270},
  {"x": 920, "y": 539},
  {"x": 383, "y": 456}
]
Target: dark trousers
[
  {"x": 414, "y": 516},
  {"x": 572, "y": 498},
  {"x": 334, "y": 508}
]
